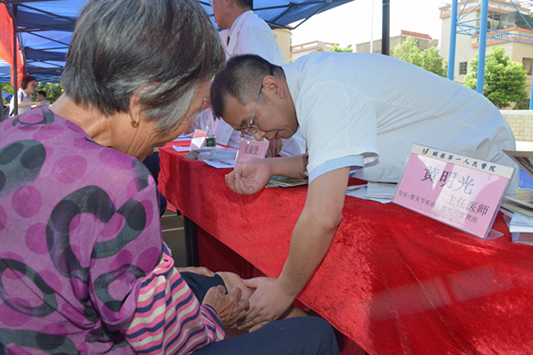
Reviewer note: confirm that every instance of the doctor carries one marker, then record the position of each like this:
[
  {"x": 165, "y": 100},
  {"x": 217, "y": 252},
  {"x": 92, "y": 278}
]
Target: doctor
[{"x": 360, "y": 114}]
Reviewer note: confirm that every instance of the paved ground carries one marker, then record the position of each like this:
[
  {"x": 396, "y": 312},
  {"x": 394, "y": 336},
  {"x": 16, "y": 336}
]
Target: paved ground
[{"x": 174, "y": 236}]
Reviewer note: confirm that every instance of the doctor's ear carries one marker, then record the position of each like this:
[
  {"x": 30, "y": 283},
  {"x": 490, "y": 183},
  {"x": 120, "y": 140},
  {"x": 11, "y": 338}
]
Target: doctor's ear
[{"x": 272, "y": 84}]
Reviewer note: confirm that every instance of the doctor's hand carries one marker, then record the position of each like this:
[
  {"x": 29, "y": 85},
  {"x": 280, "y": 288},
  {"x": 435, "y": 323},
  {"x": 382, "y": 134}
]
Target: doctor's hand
[
  {"x": 267, "y": 303},
  {"x": 250, "y": 177},
  {"x": 274, "y": 147}
]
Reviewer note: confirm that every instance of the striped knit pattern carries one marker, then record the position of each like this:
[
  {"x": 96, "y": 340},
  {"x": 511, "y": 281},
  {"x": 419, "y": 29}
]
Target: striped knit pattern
[{"x": 169, "y": 319}]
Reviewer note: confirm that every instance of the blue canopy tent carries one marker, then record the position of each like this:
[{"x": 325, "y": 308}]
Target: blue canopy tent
[{"x": 45, "y": 28}]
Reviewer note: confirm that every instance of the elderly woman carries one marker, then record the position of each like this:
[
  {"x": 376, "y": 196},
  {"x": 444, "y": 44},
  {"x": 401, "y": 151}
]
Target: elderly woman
[{"x": 83, "y": 268}]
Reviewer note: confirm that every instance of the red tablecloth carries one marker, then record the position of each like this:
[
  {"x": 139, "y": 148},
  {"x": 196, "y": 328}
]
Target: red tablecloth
[{"x": 393, "y": 281}]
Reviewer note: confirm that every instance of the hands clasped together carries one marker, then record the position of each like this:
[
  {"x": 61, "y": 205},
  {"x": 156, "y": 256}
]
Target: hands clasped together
[{"x": 268, "y": 301}]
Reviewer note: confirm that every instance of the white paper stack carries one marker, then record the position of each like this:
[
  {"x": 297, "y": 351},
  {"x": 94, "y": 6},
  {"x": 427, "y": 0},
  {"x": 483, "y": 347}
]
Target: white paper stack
[
  {"x": 376, "y": 191},
  {"x": 219, "y": 158},
  {"x": 520, "y": 226}
]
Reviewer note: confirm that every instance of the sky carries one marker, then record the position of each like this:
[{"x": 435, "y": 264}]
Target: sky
[{"x": 352, "y": 23}]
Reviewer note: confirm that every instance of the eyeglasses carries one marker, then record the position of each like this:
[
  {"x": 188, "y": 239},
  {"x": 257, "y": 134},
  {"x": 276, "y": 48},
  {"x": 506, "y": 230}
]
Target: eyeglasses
[{"x": 251, "y": 129}]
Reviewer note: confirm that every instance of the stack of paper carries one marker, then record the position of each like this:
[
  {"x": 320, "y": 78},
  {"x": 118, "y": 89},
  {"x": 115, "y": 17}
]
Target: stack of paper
[
  {"x": 521, "y": 228},
  {"x": 517, "y": 205},
  {"x": 283, "y": 181},
  {"x": 376, "y": 191},
  {"x": 519, "y": 201},
  {"x": 219, "y": 158},
  {"x": 381, "y": 190}
]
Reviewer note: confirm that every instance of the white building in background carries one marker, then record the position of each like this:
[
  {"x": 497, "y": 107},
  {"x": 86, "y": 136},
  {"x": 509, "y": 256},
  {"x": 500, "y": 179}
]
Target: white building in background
[
  {"x": 424, "y": 41},
  {"x": 284, "y": 37},
  {"x": 300, "y": 50},
  {"x": 503, "y": 16}
]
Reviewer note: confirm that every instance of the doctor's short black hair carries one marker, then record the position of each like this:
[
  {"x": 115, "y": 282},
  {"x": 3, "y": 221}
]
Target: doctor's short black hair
[{"x": 242, "y": 77}]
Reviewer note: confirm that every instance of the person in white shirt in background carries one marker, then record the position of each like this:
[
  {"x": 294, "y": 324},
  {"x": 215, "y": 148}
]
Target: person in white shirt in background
[
  {"x": 41, "y": 97},
  {"x": 224, "y": 133},
  {"x": 243, "y": 32},
  {"x": 27, "y": 87}
]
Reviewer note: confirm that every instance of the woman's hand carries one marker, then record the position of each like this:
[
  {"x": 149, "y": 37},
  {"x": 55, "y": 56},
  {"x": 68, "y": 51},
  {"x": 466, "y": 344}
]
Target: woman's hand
[{"x": 229, "y": 307}]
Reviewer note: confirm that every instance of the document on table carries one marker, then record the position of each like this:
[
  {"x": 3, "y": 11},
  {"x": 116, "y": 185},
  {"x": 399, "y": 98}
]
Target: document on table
[
  {"x": 521, "y": 228},
  {"x": 376, "y": 191},
  {"x": 520, "y": 224},
  {"x": 519, "y": 201},
  {"x": 183, "y": 138},
  {"x": 181, "y": 149},
  {"x": 206, "y": 149},
  {"x": 283, "y": 181},
  {"x": 219, "y": 158}
]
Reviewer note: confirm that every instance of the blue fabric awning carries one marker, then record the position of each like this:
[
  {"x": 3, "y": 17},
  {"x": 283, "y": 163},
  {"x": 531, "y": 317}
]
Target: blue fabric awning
[{"x": 45, "y": 28}]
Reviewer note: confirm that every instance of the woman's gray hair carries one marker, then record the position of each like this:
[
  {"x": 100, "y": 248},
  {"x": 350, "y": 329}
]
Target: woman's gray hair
[{"x": 160, "y": 50}]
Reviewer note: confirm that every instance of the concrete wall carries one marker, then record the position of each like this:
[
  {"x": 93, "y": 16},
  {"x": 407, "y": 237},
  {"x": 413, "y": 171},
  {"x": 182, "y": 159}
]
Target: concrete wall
[
  {"x": 284, "y": 38},
  {"x": 424, "y": 42},
  {"x": 521, "y": 122},
  {"x": 299, "y": 50}
]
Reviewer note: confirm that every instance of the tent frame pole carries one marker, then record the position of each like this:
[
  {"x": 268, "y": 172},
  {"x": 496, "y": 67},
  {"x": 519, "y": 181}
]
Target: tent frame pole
[
  {"x": 13, "y": 9},
  {"x": 482, "y": 46},
  {"x": 453, "y": 41},
  {"x": 385, "y": 46}
]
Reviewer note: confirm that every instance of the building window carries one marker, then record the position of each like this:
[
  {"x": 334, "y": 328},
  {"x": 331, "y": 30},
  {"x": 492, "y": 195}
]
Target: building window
[
  {"x": 495, "y": 16},
  {"x": 462, "y": 68},
  {"x": 528, "y": 65},
  {"x": 290, "y": 43}
]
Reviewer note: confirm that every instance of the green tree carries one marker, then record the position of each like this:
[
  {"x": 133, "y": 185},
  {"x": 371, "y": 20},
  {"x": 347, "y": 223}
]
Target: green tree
[
  {"x": 53, "y": 90},
  {"x": 6, "y": 87},
  {"x": 336, "y": 48},
  {"x": 429, "y": 59},
  {"x": 408, "y": 51},
  {"x": 505, "y": 80}
]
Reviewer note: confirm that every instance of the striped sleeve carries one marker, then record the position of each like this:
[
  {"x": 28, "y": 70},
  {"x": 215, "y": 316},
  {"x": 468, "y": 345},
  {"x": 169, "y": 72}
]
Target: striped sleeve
[{"x": 168, "y": 318}]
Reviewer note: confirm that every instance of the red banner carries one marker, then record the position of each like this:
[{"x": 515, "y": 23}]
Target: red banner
[{"x": 6, "y": 44}]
